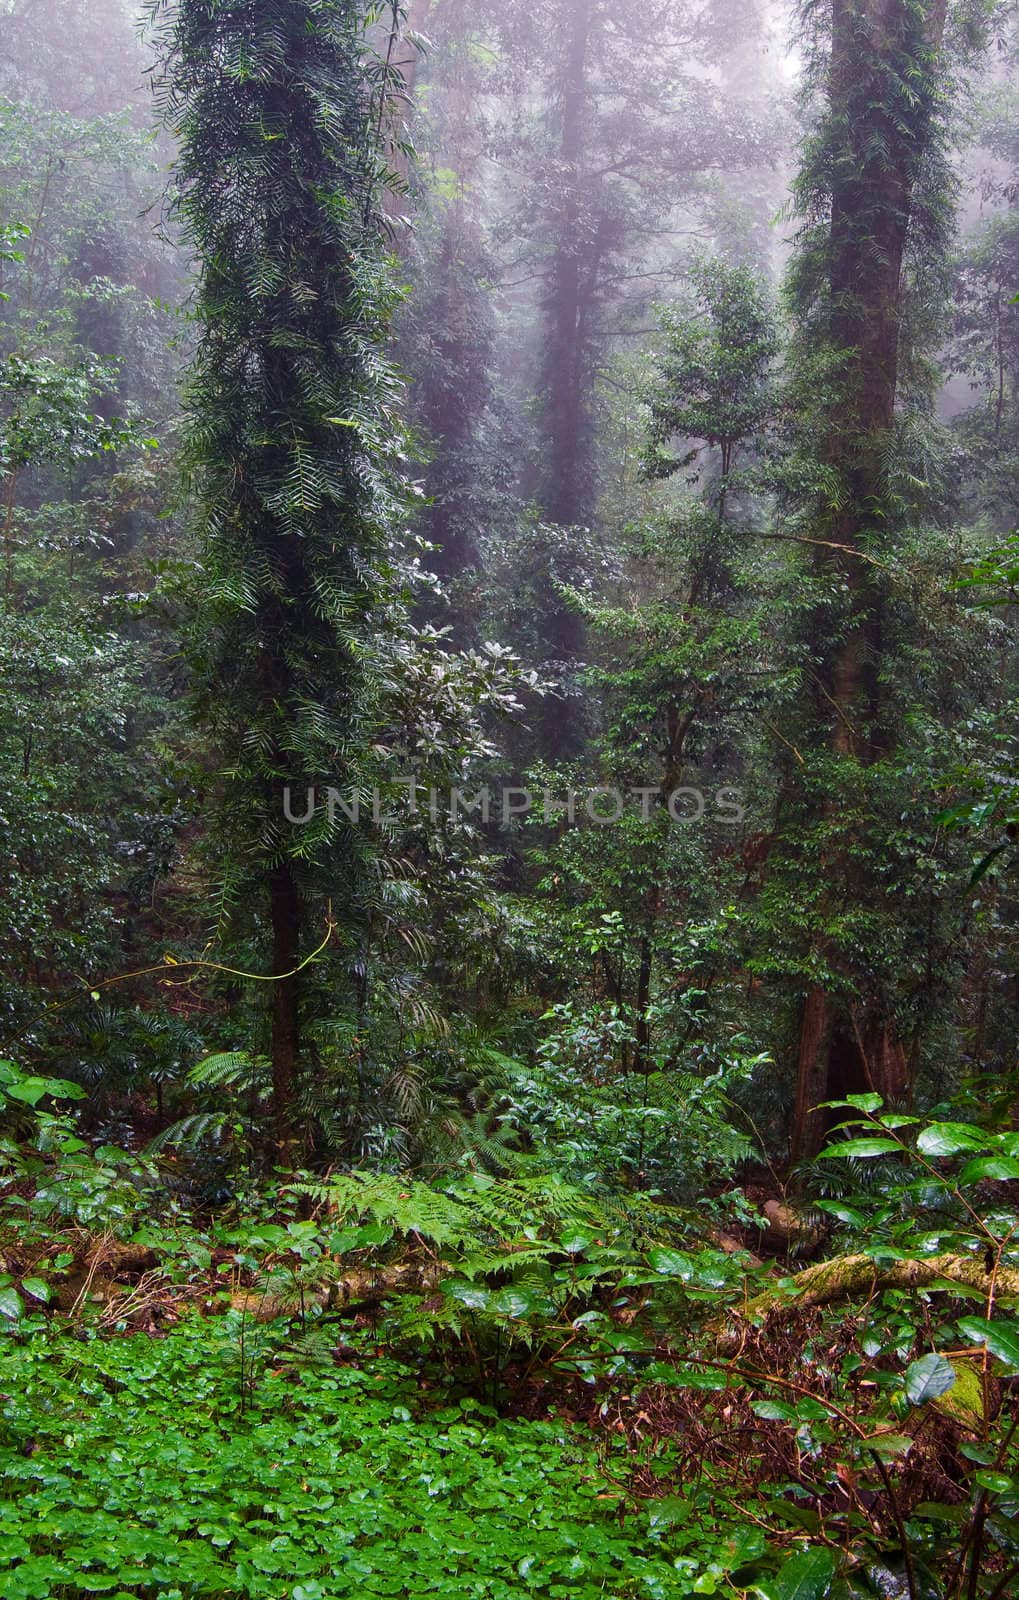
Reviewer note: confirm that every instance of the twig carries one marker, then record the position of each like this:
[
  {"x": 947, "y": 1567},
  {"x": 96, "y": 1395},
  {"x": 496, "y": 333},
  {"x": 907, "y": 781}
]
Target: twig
[
  {"x": 826, "y": 544},
  {"x": 782, "y": 738}
]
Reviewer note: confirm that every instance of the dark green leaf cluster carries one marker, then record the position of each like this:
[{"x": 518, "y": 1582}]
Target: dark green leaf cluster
[{"x": 293, "y": 434}]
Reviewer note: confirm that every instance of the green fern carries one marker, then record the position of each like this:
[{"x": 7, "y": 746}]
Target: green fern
[
  {"x": 231, "y": 1069},
  {"x": 408, "y": 1207},
  {"x": 191, "y": 1134}
]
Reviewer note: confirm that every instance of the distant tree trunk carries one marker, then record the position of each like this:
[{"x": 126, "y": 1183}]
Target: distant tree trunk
[
  {"x": 455, "y": 389},
  {"x": 642, "y": 1028},
  {"x": 566, "y": 491},
  {"x": 854, "y": 1047},
  {"x": 567, "y": 496}
]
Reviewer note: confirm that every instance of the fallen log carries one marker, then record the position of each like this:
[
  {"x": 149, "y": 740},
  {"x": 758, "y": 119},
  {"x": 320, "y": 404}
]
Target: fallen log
[
  {"x": 859, "y": 1276},
  {"x": 360, "y": 1288}
]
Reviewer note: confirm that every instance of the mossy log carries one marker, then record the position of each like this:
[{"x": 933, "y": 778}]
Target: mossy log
[
  {"x": 856, "y": 1277},
  {"x": 360, "y": 1288}
]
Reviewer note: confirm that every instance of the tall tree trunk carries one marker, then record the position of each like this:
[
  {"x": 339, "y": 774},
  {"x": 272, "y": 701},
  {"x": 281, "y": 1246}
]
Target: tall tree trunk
[
  {"x": 853, "y": 1047},
  {"x": 567, "y": 496}
]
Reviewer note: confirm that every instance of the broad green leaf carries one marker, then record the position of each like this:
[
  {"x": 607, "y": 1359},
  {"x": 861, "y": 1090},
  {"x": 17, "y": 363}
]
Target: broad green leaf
[
  {"x": 994, "y": 1169},
  {"x": 844, "y": 1213},
  {"x": 671, "y": 1263},
  {"x": 949, "y": 1138},
  {"x": 976, "y": 1450},
  {"x": 939, "y": 1511},
  {"x": 575, "y": 1240},
  {"x": 927, "y": 1378},
  {"x": 865, "y": 1102},
  {"x": 469, "y": 1295},
  {"x": 852, "y": 1149},
  {"x": 808, "y": 1575},
  {"x": 667, "y": 1512},
  {"x": 774, "y": 1411},
  {"x": 996, "y": 1482},
  {"x": 1001, "y": 1338},
  {"x": 30, "y": 1090},
  {"x": 11, "y": 1305},
  {"x": 36, "y": 1288},
  {"x": 513, "y": 1302}
]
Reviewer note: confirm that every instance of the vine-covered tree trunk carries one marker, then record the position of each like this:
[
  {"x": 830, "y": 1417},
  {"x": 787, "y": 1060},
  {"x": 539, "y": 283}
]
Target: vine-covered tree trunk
[
  {"x": 883, "y": 102},
  {"x": 283, "y": 120}
]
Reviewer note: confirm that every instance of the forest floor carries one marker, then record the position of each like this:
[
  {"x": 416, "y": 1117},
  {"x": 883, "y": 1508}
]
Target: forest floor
[{"x": 186, "y": 1465}]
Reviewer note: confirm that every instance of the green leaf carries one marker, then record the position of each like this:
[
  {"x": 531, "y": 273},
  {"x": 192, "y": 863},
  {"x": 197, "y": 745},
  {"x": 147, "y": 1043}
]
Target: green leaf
[
  {"x": 575, "y": 1240},
  {"x": 30, "y": 1090},
  {"x": 948, "y": 1138},
  {"x": 808, "y": 1575},
  {"x": 36, "y": 1288},
  {"x": 927, "y": 1378},
  {"x": 851, "y": 1149},
  {"x": 889, "y": 1445},
  {"x": 773, "y": 1411},
  {"x": 995, "y": 1169},
  {"x": 513, "y": 1302},
  {"x": 984, "y": 866},
  {"x": 844, "y": 1213},
  {"x": 865, "y": 1102},
  {"x": 996, "y": 1482},
  {"x": 11, "y": 1305},
  {"x": 469, "y": 1295},
  {"x": 1001, "y": 1339},
  {"x": 667, "y": 1512},
  {"x": 939, "y": 1511},
  {"x": 683, "y": 1377},
  {"x": 671, "y": 1263}
]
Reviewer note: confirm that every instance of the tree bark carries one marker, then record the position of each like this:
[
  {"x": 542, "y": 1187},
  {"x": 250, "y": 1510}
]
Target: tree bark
[
  {"x": 846, "y": 1047},
  {"x": 567, "y": 495}
]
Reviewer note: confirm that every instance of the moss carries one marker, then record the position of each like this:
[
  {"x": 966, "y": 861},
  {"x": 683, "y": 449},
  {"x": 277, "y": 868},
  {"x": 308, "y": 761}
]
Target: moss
[{"x": 964, "y": 1403}]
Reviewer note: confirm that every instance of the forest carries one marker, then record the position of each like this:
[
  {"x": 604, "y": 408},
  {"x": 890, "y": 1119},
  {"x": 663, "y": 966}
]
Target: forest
[{"x": 509, "y": 799}]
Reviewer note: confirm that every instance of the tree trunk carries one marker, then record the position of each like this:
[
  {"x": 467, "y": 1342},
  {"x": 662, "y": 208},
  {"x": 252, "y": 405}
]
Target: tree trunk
[
  {"x": 851, "y": 1048},
  {"x": 565, "y": 490},
  {"x": 567, "y": 494}
]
